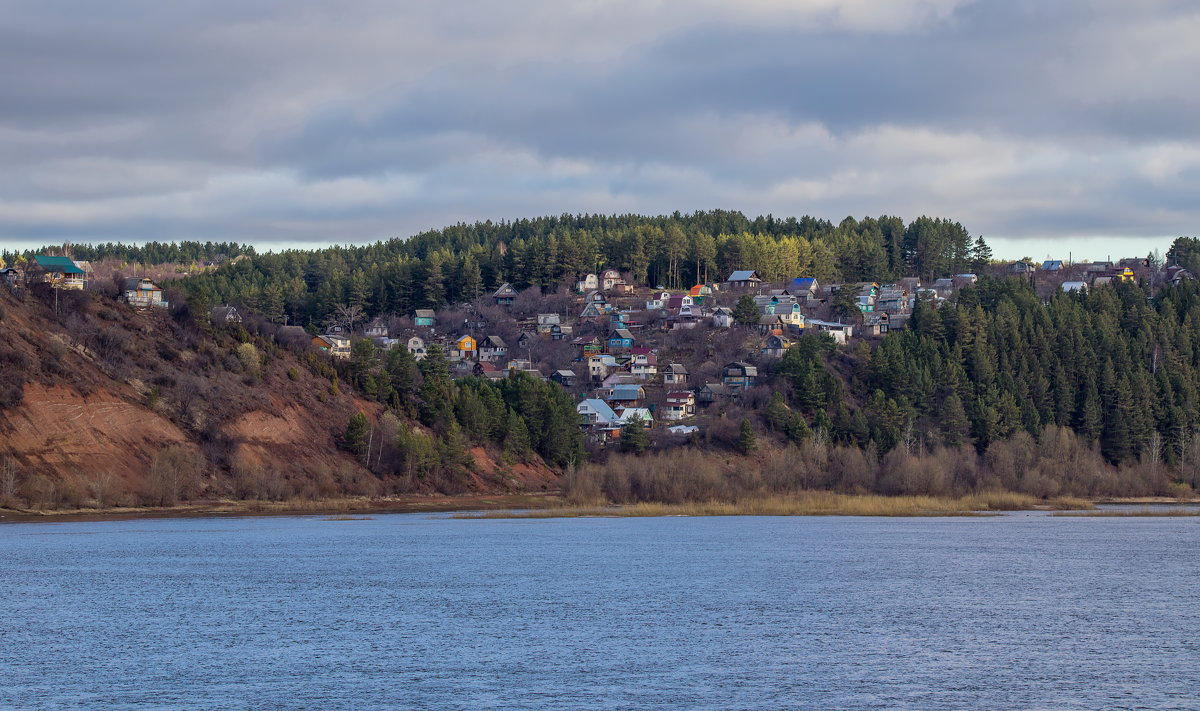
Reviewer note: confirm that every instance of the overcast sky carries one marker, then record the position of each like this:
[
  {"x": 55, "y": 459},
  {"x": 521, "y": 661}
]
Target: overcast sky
[{"x": 1045, "y": 126}]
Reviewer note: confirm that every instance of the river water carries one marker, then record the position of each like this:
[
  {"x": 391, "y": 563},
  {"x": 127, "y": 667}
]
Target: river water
[{"x": 1023, "y": 611}]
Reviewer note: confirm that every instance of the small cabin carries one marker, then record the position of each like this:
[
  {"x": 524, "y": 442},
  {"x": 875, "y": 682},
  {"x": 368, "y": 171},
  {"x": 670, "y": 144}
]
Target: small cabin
[
  {"x": 424, "y": 317},
  {"x": 505, "y": 295},
  {"x": 739, "y": 375},
  {"x": 143, "y": 293}
]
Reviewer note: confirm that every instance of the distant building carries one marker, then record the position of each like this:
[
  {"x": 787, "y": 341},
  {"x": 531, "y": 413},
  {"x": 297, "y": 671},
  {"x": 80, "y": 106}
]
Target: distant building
[
  {"x": 141, "y": 292},
  {"x": 744, "y": 278},
  {"x": 424, "y": 317}
]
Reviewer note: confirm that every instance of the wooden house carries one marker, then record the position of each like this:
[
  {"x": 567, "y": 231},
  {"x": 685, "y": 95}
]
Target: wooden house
[
  {"x": 744, "y": 279},
  {"x": 590, "y": 282},
  {"x": 59, "y": 272},
  {"x": 587, "y": 346},
  {"x": 465, "y": 347},
  {"x": 336, "y": 346},
  {"x": 775, "y": 346},
  {"x": 609, "y": 278},
  {"x": 620, "y": 339},
  {"x": 416, "y": 346},
  {"x": 424, "y": 317},
  {"x": 563, "y": 377},
  {"x": 681, "y": 404},
  {"x": 377, "y": 328},
  {"x": 675, "y": 374},
  {"x": 143, "y": 293},
  {"x": 712, "y": 392},
  {"x": 546, "y": 323},
  {"x": 493, "y": 348},
  {"x": 739, "y": 375},
  {"x": 505, "y": 295}
]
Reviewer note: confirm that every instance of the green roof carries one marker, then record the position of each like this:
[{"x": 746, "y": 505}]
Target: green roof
[{"x": 58, "y": 264}]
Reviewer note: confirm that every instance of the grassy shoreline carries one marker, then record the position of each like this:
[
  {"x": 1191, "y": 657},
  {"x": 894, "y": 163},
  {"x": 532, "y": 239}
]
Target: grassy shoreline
[
  {"x": 812, "y": 503},
  {"x": 321, "y": 507},
  {"x": 553, "y": 505}
]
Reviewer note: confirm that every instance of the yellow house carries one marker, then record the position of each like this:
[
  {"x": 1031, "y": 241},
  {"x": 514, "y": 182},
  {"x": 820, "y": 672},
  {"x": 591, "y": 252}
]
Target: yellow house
[
  {"x": 466, "y": 347},
  {"x": 1124, "y": 274}
]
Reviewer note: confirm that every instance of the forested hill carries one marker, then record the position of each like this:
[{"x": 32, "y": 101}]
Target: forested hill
[{"x": 459, "y": 263}]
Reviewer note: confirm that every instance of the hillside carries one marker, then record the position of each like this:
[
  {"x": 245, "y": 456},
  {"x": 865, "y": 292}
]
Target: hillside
[{"x": 103, "y": 405}]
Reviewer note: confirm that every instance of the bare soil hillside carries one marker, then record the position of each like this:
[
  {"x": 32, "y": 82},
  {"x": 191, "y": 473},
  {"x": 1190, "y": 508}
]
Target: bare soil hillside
[{"x": 104, "y": 405}]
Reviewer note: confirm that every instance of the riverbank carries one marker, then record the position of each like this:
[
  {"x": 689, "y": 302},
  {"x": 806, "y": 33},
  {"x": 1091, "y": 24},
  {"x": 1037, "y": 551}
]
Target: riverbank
[
  {"x": 330, "y": 507},
  {"x": 553, "y": 505},
  {"x": 814, "y": 503}
]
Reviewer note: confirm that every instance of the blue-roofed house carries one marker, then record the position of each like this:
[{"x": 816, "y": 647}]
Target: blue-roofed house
[
  {"x": 1052, "y": 265},
  {"x": 626, "y": 395},
  {"x": 804, "y": 288},
  {"x": 595, "y": 411}
]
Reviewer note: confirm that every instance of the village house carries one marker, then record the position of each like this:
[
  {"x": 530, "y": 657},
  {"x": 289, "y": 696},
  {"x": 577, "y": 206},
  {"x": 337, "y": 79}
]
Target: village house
[
  {"x": 424, "y": 317},
  {"x": 609, "y": 278},
  {"x": 377, "y": 328},
  {"x": 591, "y": 312},
  {"x": 11, "y": 276},
  {"x": 492, "y": 348},
  {"x": 744, "y": 279},
  {"x": 643, "y": 365},
  {"x": 681, "y": 404},
  {"x": 336, "y": 346},
  {"x": 626, "y": 395},
  {"x": 599, "y": 365},
  {"x": 484, "y": 367},
  {"x": 620, "y": 340},
  {"x": 587, "y": 346},
  {"x": 658, "y": 302},
  {"x": 465, "y": 348},
  {"x": 775, "y": 346},
  {"x": 224, "y": 315},
  {"x": 416, "y": 346},
  {"x": 1052, "y": 265},
  {"x": 141, "y": 292},
  {"x": 739, "y": 375},
  {"x": 875, "y": 324},
  {"x": 675, "y": 374},
  {"x": 60, "y": 272},
  {"x": 699, "y": 292},
  {"x": 505, "y": 295},
  {"x": 518, "y": 365},
  {"x": 619, "y": 377},
  {"x": 630, "y": 414},
  {"x": 892, "y": 299},
  {"x": 547, "y": 322},
  {"x": 563, "y": 377},
  {"x": 1021, "y": 268},
  {"x": 598, "y": 419},
  {"x": 805, "y": 288},
  {"x": 1074, "y": 286},
  {"x": 840, "y": 332},
  {"x": 525, "y": 341},
  {"x": 588, "y": 283},
  {"x": 722, "y": 318},
  {"x": 712, "y": 392}
]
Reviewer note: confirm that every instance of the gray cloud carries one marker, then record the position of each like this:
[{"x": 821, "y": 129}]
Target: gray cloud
[{"x": 298, "y": 122}]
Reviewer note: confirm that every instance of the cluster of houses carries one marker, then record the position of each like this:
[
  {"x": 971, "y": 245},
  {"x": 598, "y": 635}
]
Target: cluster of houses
[{"x": 74, "y": 274}]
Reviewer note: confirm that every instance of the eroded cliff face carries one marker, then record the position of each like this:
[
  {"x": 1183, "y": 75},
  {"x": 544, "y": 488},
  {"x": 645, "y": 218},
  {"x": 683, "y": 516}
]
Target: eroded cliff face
[{"x": 91, "y": 397}]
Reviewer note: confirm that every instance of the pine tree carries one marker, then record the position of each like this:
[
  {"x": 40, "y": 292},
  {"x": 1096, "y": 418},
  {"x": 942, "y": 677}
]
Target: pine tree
[
  {"x": 746, "y": 441},
  {"x": 355, "y": 437},
  {"x": 634, "y": 438},
  {"x": 745, "y": 313}
]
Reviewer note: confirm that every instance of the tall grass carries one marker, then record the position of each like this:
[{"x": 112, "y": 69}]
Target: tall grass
[{"x": 809, "y": 503}]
